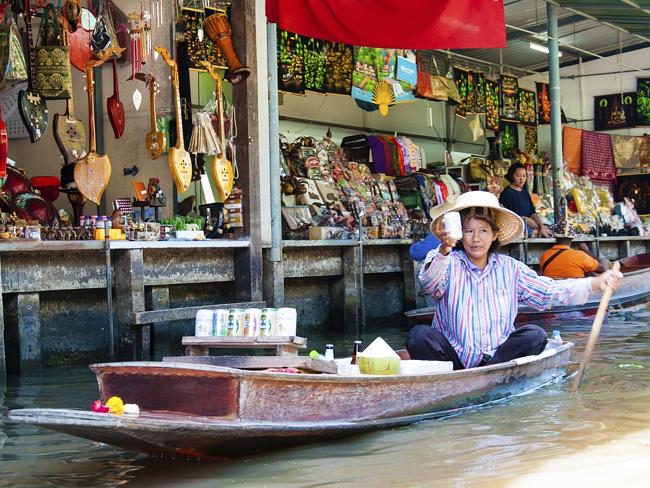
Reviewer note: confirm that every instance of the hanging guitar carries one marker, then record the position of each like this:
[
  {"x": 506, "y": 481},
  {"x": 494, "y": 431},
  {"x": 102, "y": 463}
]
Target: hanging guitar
[
  {"x": 180, "y": 164},
  {"x": 79, "y": 33},
  {"x": 221, "y": 169},
  {"x": 93, "y": 172},
  {"x": 156, "y": 140},
  {"x": 114, "y": 106},
  {"x": 32, "y": 107},
  {"x": 69, "y": 131}
]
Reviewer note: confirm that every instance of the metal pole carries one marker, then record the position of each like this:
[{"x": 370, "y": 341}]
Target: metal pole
[
  {"x": 109, "y": 291},
  {"x": 274, "y": 143},
  {"x": 556, "y": 117},
  {"x": 361, "y": 322}
]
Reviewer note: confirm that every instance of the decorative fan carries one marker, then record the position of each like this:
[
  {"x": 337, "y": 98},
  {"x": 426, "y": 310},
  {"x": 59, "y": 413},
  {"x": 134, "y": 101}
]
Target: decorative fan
[
  {"x": 383, "y": 95},
  {"x": 15, "y": 182}
]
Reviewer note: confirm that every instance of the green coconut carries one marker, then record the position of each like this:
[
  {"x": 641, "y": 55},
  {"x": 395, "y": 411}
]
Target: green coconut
[
  {"x": 381, "y": 365},
  {"x": 378, "y": 358}
]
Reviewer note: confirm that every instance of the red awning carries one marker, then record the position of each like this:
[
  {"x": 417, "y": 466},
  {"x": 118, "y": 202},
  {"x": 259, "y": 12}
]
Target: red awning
[{"x": 409, "y": 24}]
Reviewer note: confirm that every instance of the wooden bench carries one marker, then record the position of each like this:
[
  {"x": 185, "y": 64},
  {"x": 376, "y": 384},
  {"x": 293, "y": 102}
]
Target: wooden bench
[
  {"x": 284, "y": 345},
  {"x": 146, "y": 320}
]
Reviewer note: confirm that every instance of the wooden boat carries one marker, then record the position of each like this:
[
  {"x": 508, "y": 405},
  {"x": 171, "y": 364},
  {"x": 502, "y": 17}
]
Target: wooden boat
[
  {"x": 635, "y": 288},
  {"x": 214, "y": 412}
]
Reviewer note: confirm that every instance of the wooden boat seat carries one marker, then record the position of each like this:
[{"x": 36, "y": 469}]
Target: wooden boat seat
[
  {"x": 147, "y": 319},
  {"x": 284, "y": 345}
]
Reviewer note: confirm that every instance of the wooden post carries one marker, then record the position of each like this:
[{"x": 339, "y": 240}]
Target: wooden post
[
  {"x": 157, "y": 298},
  {"x": 129, "y": 298},
  {"x": 273, "y": 280},
  {"x": 351, "y": 288},
  {"x": 3, "y": 357},
  {"x": 26, "y": 307},
  {"x": 248, "y": 262},
  {"x": 410, "y": 276}
]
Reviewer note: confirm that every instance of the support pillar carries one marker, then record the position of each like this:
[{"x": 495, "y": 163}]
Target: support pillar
[
  {"x": 410, "y": 277},
  {"x": 26, "y": 308},
  {"x": 273, "y": 281},
  {"x": 556, "y": 110},
  {"x": 3, "y": 357},
  {"x": 351, "y": 288},
  {"x": 157, "y": 298},
  {"x": 248, "y": 262},
  {"x": 129, "y": 298}
]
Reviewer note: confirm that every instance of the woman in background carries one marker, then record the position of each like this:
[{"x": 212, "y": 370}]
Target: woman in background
[{"x": 515, "y": 197}]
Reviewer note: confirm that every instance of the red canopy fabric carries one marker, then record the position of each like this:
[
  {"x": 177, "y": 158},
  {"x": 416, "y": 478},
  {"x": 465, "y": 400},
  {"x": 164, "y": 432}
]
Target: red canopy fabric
[{"x": 409, "y": 24}]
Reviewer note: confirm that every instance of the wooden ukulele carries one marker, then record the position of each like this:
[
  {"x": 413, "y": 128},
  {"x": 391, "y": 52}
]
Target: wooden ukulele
[
  {"x": 221, "y": 168},
  {"x": 156, "y": 140},
  {"x": 69, "y": 133},
  {"x": 93, "y": 172},
  {"x": 115, "y": 108},
  {"x": 32, "y": 107},
  {"x": 180, "y": 163}
]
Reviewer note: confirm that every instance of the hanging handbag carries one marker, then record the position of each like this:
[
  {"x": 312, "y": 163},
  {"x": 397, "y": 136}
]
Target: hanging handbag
[
  {"x": 13, "y": 67},
  {"x": 52, "y": 71},
  {"x": 104, "y": 38},
  {"x": 429, "y": 85}
]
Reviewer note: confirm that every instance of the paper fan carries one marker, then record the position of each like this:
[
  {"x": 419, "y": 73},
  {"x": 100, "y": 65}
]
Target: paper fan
[{"x": 383, "y": 95}]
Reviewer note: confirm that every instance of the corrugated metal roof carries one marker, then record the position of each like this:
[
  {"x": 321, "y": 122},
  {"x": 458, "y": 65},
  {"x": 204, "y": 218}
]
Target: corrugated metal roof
[{"x": 602, "y": 27}]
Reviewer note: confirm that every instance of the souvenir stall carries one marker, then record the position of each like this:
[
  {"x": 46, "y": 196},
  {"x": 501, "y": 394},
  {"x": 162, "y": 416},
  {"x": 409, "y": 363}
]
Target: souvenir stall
[{"x": 143, "y": 197}]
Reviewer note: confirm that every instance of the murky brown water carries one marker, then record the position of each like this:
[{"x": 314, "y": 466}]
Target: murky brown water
[{"x": 491, "y": 446}]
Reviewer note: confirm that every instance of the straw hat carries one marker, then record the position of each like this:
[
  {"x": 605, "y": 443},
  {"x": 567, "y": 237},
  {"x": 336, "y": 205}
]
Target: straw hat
[{"x": 510, "y": 224}]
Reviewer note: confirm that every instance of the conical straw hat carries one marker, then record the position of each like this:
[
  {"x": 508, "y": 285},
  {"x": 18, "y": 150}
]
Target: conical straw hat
[{"x": 511, "y": 226}]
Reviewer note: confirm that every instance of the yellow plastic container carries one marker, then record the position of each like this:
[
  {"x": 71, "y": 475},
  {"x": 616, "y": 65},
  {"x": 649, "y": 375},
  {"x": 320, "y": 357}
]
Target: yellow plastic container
[{"x": 113, "y": 234}]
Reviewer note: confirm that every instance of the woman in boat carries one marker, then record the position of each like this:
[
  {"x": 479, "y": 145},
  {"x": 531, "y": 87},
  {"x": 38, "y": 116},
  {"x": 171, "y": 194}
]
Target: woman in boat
[
  {"x": 479, "y": 290},
  {"x": 515, "y": 197}
]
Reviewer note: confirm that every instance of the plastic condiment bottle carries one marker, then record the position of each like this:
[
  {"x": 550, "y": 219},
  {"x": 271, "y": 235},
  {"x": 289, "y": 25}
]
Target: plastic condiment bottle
[
  {"x": 556, "y": 340},
  {"x": 329, "y": 352},
  {"x": 355, "y": 351}
]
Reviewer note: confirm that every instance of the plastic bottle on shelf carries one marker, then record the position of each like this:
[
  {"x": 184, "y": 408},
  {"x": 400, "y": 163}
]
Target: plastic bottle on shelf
[{"x": 329, "y": 352}]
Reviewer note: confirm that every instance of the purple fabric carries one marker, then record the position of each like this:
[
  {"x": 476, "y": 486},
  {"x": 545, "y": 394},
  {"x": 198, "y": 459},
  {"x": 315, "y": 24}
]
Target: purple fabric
[
  {"x": 597, "y": 156},
  {"x": 380, "y": 162}
]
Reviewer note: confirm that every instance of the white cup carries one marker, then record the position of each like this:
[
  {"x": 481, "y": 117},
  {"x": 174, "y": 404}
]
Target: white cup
[{"x": 453, "y": 225}]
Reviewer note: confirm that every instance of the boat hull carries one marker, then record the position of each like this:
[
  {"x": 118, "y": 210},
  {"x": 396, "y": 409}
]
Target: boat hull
[{"x": 261, "y": 411}]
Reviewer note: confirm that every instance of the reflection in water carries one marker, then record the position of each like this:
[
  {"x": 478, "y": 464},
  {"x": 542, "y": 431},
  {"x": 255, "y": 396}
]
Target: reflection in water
[{"x": 489, "y": 446}]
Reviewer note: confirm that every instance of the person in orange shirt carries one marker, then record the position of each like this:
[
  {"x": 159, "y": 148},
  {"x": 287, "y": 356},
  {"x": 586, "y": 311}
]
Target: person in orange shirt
[{"x": 560, "y": 261}]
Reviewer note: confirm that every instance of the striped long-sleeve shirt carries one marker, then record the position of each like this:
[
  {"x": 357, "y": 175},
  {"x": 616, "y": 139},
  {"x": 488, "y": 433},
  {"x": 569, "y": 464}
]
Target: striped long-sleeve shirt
[{"x": 477, "y": 308}]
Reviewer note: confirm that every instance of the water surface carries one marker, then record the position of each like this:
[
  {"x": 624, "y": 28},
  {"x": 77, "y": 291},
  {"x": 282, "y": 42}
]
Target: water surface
[{"x": 496, "y": 445}]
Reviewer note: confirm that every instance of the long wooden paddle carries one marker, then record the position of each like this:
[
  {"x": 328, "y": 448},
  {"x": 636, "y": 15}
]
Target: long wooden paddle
[
  {"x": 93, "y": 172},
  {"x": 595, "y": 331}
]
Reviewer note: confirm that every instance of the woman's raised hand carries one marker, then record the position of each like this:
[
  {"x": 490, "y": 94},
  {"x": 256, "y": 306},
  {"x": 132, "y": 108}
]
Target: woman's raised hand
[{"x": 447, "y": 243}]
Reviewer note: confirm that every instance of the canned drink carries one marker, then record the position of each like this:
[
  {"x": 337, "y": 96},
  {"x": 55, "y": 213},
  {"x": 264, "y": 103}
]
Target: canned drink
[
  {"x": 252, "y": 318},
  {"x": 453, "y": 225},
  {"x": 268, "y": 319},
  {"x": 220, "y": 322},
  {"x": 235, "y": 322},
  {"x": 203, "y": 323},
  {"x": 286, "y": 321}
]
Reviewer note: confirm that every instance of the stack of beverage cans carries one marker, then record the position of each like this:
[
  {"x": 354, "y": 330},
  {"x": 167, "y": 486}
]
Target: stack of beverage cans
[{"x": 249, "y": 322}]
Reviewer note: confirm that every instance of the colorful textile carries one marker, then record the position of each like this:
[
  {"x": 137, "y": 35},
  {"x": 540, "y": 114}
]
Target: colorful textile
[
  {"x": 597, "y": 157},
  {"x": 477, "y": 308},
  {"x": 382, "y": 158},
  {"x": 458, "y": 24},
  {"x": 572, "y": 149},
  {"x": 570, "y": 263},
  {"x": 626, "y": 151}
]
